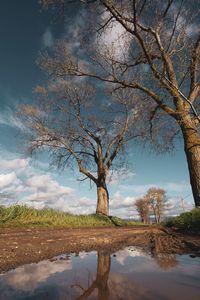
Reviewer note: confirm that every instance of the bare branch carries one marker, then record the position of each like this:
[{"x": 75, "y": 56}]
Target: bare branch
[{"x": 193, "y": 66}]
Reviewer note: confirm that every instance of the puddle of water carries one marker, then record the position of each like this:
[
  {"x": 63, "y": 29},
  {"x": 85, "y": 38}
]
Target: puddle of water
[{"x": 125, "y": 275}]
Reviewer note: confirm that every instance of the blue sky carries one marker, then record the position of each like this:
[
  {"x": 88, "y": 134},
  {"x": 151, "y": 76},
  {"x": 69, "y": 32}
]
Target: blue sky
[{"x": 24, "y": 30}]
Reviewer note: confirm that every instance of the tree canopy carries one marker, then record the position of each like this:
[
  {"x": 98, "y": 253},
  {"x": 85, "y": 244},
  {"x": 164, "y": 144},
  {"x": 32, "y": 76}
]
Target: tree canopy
[
  {"x": 153, "y": 49},
  {"x": 80, "y": 126}
]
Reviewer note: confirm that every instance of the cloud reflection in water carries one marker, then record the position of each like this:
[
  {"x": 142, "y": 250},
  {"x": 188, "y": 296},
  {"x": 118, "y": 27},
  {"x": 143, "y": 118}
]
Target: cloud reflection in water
[{"x": 126, "y": 274}]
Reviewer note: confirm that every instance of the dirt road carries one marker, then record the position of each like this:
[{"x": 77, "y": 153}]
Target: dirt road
[{"x": 22, "y": 246}]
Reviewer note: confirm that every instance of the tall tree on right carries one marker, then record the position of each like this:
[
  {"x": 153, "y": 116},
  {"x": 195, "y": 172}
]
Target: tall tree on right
[{"x": 156, "y": 53}]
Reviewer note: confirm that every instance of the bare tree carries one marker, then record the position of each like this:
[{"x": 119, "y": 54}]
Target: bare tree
[
  {"x": 79, "y": 129},
  {"x": 156, "y": 198},
  {"x": 159, "y": 60},
  {"x": 143, "y": 209}
]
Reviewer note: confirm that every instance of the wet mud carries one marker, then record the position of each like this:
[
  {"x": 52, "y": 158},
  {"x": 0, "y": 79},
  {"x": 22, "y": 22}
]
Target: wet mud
[{"x": 23, "y": 246}]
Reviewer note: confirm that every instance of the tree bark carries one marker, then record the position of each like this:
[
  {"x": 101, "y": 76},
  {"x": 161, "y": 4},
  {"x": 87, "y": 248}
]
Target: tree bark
[
  {"x": 192, "y": 152},
  {"x": 146, "y": 220},
  {"x": 102, "y": 200},
  {"x": 156, "y": 216}
]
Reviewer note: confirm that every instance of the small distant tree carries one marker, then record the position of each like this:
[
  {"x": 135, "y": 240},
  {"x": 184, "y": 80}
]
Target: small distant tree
[
  {"x": 143, "y": 209},
  {"x": 156, "y": 198}
]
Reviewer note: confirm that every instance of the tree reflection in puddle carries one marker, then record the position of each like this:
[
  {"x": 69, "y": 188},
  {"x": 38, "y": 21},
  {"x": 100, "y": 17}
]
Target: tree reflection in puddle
[
  {"x": 101, "y": 282},
  {"x": 127, "y": 274},
  {"x": 166, "y": 261}
]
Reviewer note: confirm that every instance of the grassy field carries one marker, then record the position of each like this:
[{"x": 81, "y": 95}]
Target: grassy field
[
  {"x": 24, "y": 216},
  {"x": 188, "y": 221}
]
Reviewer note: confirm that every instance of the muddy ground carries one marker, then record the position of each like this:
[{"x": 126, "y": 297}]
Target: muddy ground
[{"x": 22, "y": 246}]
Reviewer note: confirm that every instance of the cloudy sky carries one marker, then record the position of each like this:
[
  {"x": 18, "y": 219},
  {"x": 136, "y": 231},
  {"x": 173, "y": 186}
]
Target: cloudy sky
[{"x": 24, "y": 31}]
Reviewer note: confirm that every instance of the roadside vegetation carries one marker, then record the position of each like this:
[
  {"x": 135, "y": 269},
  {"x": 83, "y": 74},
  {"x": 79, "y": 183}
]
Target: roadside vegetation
[
  {"x": 24, "y": 216},
  {"x": 189, "y": 221}
]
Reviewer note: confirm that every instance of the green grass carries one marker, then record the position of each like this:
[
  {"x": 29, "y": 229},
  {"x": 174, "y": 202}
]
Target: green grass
[
  {"x": 24, "y": 216},
  {"x": 189, "y": 221}
]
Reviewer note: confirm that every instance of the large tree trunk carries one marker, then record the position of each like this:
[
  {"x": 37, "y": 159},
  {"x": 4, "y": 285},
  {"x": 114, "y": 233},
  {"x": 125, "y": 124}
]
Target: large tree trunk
[
  {"x": 192, "y": 151},
  {"x": 102, "y": 200}
]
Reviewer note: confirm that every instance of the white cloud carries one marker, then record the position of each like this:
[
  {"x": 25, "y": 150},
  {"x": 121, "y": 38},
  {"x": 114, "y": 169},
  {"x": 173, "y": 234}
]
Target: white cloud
[
  {"x": 28, "y": 277},
  {"x": 17, "y": 165},
  {"x": 47, "y": 38},
  {"x": 119, "y": 201},
  {"x": 120, "y": 284},
  {"x": 45, "y": 191},
  {"x": 7, "y": 179},
  {"x": 178, "y": 205},
  {"x": 45, "y": 183},
  {"x": 22, "y": 183},
  {"x": 114, "y": 40},
  {"x": 19, "y": 181},
  {"x": 83, "y": 205},
  {"x": 121, "y": 255},
  {"x": 123, "y": 206},
  {"x": 9, "y": 118},
  {"x": 85, "y": 201}
]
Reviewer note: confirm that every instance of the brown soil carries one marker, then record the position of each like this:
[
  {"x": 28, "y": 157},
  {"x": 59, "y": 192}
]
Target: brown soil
[{"x": 22, "y": 246}]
